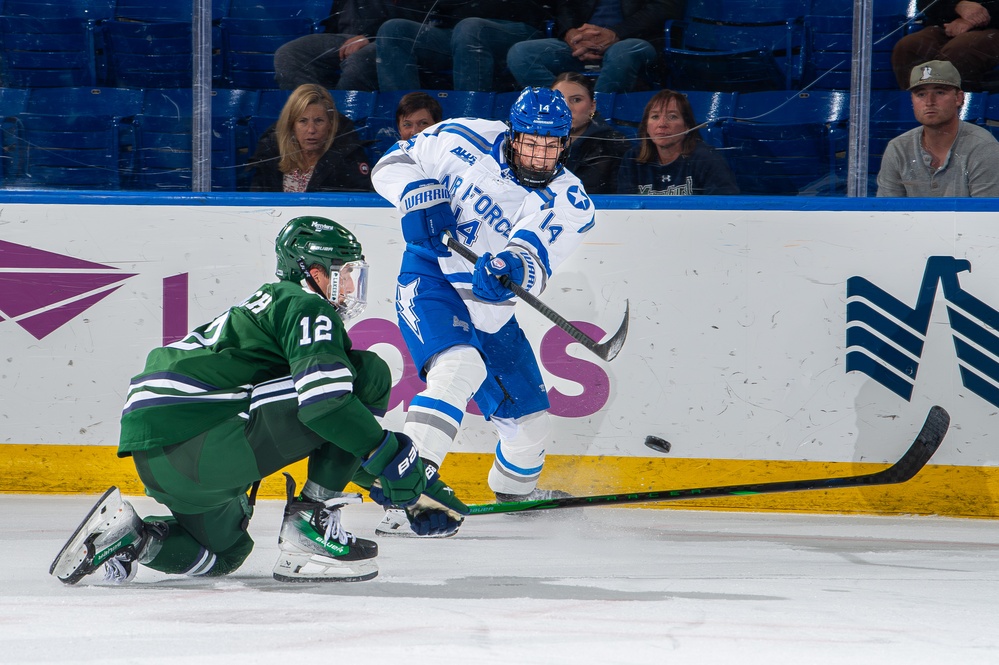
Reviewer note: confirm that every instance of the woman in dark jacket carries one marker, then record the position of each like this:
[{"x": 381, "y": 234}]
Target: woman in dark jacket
[
  {"x": 595, "y": 148},
  {"x": 670, "y": 158},
  {"x": 311, "y": 148}
]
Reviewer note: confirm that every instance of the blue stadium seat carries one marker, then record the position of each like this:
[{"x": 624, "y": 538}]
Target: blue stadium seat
[
  {"x": 78, "y": 138},
  {"x": 734, "y": 58},
  {"x": 465, "y": 104},
  {"x": 605, "y": 104},
  {"x": 163, "y": 151},
  {"x": 52, "y": 44},
  {"x": 991, "y": 119},
  {"x": 713, "y": 108},
  {"x": 746, "y": 11},
  {"x": 780, "y": 143},
  {"x": 737, "y": 45},
  {"x": 149, "y": 44},
  {"x": 12, "y": 101},
  {"x": 830, "y": 50},
  {"x": 251, "y": 31}
]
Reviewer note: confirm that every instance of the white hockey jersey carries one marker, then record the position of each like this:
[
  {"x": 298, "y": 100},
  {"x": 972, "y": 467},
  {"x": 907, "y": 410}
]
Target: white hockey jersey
[{"x": 493, "y": 210}]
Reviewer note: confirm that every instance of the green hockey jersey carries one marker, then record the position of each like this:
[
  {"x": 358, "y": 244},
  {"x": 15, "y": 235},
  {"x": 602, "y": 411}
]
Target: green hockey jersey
[{"x": 283, "y": 342}]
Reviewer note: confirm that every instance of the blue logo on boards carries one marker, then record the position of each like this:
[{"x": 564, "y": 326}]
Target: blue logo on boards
[{"x": 884, "y": 336}]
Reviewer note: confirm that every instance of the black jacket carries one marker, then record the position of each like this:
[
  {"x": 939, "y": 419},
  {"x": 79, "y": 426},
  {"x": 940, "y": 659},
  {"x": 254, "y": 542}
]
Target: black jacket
[
  {"x": 595, "y": 157},
  {"x": 344, "y": 167},
  {"x": 643, "y": 19}
]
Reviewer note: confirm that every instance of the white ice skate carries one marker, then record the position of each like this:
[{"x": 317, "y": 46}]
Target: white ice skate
[
  {"x": 316, "y": 548},
  {"x": 112, "y": 536}
]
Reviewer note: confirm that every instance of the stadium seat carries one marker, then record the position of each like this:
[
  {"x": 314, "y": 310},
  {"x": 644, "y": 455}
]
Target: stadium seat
[
  {"x": 713, "y": 108},
  {"x": 52, "y": 44},
  {"x": 830, "y": 51},
  {"x": 746, "y": 11},
  {"x": 12, "y": 101},
  {"x": 251, "y": 31},
  {"x": 163, "y": 150},
  {"x": 780, "y": 143},
  {"x": 149, "y": 44},
  {"x": 736, "y": 46},
  {"x": 78, "y": 138}
]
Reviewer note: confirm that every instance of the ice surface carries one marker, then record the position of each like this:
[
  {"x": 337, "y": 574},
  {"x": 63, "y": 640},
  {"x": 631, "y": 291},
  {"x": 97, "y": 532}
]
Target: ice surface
[{"x": 600, "y": 585}]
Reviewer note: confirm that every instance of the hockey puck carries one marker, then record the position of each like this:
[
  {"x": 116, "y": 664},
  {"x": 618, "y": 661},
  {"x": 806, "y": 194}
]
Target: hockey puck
[{"x": 657, "y": 444}]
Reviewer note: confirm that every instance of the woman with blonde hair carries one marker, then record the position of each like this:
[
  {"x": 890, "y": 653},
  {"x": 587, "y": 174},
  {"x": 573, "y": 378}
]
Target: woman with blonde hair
[
  {"x": 311, "y": 148},
  {"x": 670, "y": 158}
]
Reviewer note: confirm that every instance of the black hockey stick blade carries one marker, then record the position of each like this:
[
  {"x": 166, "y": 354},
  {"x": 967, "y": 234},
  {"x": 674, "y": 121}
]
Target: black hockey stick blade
[
  {"x": 606, "y": 350},
  {"x": 914, "y": 459}
]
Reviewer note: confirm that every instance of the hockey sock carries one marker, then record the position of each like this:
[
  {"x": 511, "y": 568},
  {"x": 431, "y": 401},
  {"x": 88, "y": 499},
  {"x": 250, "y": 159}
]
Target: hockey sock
[{"x": 435, "y": 415}]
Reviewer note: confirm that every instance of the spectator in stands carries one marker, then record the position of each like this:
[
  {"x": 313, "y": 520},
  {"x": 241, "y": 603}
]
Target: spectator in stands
[
  {"x": 961, "y": 32},
  {"x": 595, "y": 148},
  {"x": 944, "y": 156},
  {"x": 311, "y": 148},
  {"x": 343, "y": 57},
  {"x": 621, "y": 39},
  {"x": 670, "y": 157},
  {"x": 416, "y": 111},
  {"x": 468, "y": 37}
]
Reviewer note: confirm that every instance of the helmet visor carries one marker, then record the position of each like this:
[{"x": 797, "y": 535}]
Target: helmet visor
[{"x": 349, "y": 289}]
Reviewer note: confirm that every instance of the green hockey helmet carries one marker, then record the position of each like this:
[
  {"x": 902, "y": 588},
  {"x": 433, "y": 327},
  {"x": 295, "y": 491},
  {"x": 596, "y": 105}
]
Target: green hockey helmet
[{"x": 307, "y": 242}]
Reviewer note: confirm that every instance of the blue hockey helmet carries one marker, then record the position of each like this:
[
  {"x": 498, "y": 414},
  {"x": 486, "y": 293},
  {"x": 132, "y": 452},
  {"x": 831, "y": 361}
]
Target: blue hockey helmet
[{"x": 541, "y": 112}]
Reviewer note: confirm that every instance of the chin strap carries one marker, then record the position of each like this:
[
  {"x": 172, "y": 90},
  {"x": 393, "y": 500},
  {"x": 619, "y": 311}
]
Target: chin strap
[{"x": 311, "y": 281}]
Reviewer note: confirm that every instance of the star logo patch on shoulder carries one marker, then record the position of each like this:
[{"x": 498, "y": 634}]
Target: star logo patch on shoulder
[{"x": 578, "y": 198}]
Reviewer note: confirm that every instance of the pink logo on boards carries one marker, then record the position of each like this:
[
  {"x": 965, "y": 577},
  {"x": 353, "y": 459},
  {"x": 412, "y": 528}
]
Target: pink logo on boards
[{"x": 42, "y": 291}]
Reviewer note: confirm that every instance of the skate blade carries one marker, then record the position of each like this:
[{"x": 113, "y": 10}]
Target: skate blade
[
  {"x": 303, "y": 568},
  {"x": 70, "y": 564}
]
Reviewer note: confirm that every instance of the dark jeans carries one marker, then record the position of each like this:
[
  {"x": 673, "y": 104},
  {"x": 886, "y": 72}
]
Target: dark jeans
[
  {"x": 475, "y": 50},
  {"x": 316, "y": 59},
  {"x": 539, "y": 61}
]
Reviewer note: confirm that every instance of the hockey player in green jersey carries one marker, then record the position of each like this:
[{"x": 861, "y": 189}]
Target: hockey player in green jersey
[{"x": 271, "y": 381}]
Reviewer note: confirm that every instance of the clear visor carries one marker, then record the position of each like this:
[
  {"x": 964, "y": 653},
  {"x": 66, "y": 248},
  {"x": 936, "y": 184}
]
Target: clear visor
[{"x": 349, "y": 289}]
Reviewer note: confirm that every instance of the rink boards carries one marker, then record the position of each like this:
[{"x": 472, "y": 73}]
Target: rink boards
[{"x": 804, "y": 339}]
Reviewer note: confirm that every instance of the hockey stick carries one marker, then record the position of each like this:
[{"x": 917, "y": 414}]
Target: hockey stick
[
  {"x": 914, "y": 459},
  {"x": 606, "y": 350}
]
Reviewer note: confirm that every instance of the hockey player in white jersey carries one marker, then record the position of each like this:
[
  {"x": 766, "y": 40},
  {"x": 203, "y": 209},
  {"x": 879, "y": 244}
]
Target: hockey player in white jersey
[{"x": 502, "y": 191}]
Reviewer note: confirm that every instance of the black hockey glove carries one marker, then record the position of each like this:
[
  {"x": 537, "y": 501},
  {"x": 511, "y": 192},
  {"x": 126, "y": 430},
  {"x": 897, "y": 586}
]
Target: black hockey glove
[{"x": 401, "y": 478}]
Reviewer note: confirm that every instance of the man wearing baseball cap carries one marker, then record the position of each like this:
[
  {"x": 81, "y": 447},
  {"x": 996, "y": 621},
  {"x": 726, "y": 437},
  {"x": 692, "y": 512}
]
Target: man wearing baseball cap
[{"x": 944, "y": 156}]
